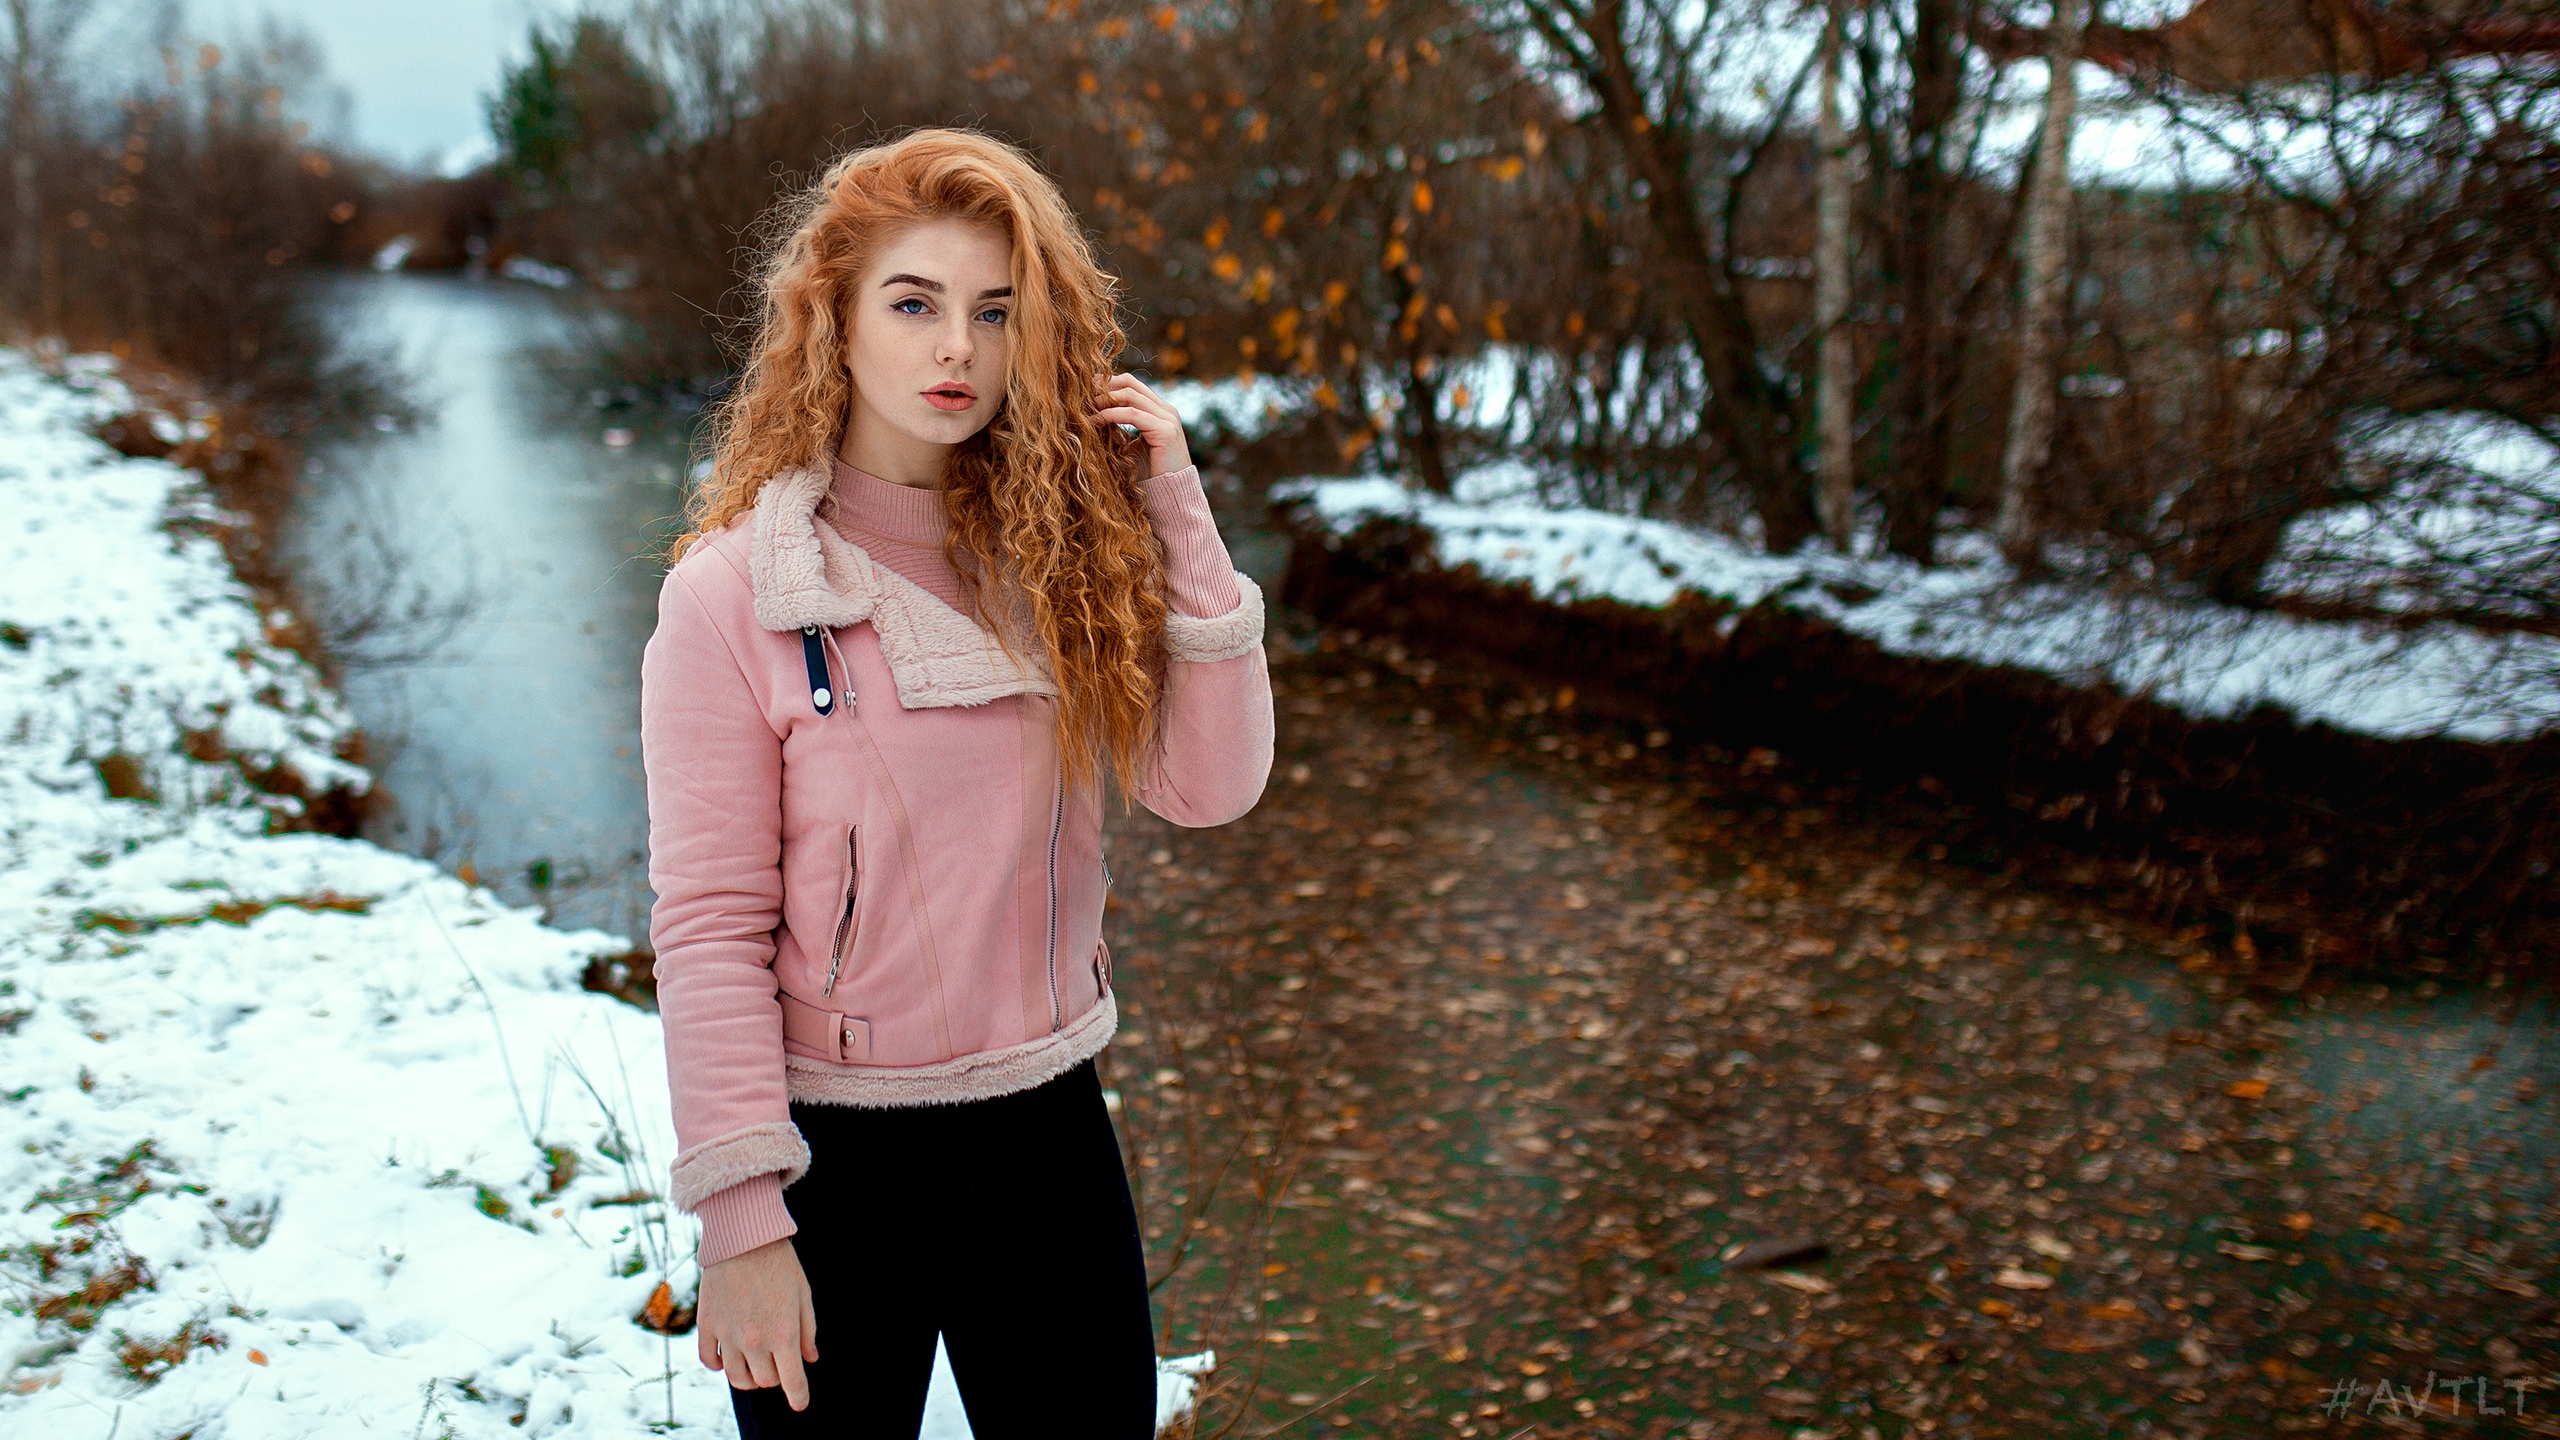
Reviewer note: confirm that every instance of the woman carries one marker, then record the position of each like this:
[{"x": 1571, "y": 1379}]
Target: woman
[{"x": 934, "y": 595}]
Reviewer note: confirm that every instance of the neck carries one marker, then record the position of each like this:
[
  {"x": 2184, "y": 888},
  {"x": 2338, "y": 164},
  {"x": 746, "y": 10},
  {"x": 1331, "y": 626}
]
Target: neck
[{"x": 875, "y": 447}]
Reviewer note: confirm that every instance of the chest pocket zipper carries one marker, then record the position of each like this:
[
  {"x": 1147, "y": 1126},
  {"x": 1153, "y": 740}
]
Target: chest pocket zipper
[{"x": 844, "y": 918}]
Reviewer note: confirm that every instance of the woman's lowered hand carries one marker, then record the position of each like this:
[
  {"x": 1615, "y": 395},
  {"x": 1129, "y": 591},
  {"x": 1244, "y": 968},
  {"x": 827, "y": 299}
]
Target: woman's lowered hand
[
  {"x": 1127, "y": 400},
  {"x": 755, "y": 1321}
]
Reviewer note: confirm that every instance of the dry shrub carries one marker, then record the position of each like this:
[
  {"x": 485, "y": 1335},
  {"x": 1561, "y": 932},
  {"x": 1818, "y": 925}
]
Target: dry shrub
[
  {"x": 146, "y": 1359},
  {"x": 171, "y": 222}
]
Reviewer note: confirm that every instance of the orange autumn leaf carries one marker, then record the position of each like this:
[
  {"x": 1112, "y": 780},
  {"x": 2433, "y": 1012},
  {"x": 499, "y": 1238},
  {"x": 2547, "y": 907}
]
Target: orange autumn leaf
[
  {"x": 2250, "y": 1089},
  {"x": 257, "y": 1357},
  {"x": 662, "y": 1304}
]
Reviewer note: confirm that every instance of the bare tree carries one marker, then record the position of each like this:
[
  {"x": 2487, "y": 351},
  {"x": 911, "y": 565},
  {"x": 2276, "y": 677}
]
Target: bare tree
[
  {"x": 1647, "y": 66},
  {"x": 2040, "y": 317},
  {"x": 40, "y": 31},
  {"x": 1835, "y": 465}
]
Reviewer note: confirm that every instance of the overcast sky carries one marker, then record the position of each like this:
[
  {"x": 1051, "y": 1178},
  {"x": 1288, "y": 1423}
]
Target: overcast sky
[{"x": 414, "y": 70}]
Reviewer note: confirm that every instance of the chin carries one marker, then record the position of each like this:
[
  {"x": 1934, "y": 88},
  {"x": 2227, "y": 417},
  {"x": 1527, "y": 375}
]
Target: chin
[{"x": 941, "y": 427}]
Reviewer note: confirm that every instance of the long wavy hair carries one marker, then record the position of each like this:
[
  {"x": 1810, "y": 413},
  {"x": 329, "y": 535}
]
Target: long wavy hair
[{"x": 1046, "y": 518}]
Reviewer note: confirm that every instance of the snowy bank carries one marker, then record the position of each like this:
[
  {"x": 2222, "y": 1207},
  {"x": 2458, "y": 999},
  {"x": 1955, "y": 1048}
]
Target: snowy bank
[
  {"x": 2203, "y": 659},
  {"x": 2310, "y": 792},
  {"x": 304, "y": 1137}
]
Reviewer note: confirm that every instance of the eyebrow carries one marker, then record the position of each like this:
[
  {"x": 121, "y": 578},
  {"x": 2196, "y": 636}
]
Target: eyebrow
[{"x": 1001, "y": 292}]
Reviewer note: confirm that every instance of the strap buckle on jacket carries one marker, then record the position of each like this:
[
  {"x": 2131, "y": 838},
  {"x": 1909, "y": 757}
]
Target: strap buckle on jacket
[
  {"x": 828, "y": 1034},
  {"x": 813, "y": 651}
]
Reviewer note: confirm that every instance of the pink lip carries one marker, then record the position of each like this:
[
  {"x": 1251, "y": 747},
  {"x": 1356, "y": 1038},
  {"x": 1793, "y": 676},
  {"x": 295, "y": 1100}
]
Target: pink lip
[{"x": 951, "y": 395}]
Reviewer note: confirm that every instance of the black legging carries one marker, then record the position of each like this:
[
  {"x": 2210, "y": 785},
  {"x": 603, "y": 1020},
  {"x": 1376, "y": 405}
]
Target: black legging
[{"x": 1002, "y": 1225}]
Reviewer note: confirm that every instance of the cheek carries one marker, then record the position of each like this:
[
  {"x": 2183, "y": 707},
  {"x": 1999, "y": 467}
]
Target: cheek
[{"x": 880, "y": 355}]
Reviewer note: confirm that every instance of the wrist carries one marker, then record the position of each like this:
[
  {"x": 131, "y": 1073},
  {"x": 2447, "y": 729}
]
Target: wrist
[{"x": 745, "y": 1217}]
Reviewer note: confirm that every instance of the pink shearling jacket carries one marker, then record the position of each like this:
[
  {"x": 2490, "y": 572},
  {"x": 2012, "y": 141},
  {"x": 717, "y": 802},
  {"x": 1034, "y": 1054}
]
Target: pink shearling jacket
[{"x": 872, "y": 885}]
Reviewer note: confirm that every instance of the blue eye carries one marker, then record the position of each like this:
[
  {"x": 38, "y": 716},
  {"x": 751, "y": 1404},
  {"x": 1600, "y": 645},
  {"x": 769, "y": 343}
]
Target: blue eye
[
  {"x": 916, "y": 300},
  {"x": 992, "y": 317}
]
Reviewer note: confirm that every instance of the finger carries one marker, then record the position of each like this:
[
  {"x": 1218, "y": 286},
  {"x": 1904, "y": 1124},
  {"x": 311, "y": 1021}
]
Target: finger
[
  {"x": 1130, "y": 415},
  {"x": 707, "y": 1349},
  {"x": 1134, "y": 393},
  {"x": 1149, "y": 391},
  {"x": 808, "y": 1327},
  {"x": 740, "y": 1377},
  {"x": 795, "y": 1383}
]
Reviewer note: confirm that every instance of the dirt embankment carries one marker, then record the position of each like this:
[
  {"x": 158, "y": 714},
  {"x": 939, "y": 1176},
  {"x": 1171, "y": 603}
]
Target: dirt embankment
[{"x": 2290, "y": 847}]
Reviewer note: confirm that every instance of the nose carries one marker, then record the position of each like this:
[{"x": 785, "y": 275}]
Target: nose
[{"x": 957, "y": 346}]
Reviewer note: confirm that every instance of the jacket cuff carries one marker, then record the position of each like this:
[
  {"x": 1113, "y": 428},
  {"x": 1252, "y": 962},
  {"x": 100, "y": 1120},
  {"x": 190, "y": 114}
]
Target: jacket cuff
[
  {"x": 1197, "y": 568},
  {"x": 1224, "y": 637},
  {"x": 715, "y": 1165},
  {"x": 742, "y": 1217}
]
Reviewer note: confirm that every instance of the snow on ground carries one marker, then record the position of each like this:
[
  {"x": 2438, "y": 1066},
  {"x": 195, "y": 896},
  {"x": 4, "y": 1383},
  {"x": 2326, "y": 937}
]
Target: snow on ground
[
  {"x": 2205, "y": 659},
  {"x": 303, "y": 1137},
  {"x": 2466, "y": 513}
]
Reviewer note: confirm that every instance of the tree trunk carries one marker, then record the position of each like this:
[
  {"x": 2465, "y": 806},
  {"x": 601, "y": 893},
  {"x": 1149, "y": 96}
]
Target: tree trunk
[
  {"x": 2040, "y": 315},
  {"x": 1916, "y": 480},
  {"x": 1424, "y": 449},
  {"x": 1835, "y": 463},
  {"x": 26, "y": 220}
]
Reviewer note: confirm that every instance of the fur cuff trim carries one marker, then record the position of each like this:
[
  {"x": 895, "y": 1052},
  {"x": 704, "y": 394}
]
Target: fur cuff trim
[
  {"x": 715, "y": 1165},
  {"x": 969, "y": 1077},
  {"x": 1221, "y": 637}
]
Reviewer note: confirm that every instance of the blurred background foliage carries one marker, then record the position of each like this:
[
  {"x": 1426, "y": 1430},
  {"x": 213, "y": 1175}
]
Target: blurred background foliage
[{"x": 1578, "y": 233}]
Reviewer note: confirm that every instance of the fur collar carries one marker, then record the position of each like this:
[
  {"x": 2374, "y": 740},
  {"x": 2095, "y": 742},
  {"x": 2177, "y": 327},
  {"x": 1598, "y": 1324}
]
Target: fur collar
[{"x": 804, "y": 573}]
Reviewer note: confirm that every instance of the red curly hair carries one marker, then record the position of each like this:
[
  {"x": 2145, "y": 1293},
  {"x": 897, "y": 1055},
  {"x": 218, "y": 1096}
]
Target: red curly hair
[{"x": 1046, "y": 517}]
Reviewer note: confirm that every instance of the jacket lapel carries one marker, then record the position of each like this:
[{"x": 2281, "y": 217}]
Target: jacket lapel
[{"x": 804, "y": 573}]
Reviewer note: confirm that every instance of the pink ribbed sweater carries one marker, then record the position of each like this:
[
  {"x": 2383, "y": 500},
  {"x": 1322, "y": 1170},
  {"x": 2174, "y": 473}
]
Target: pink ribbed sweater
[{"x": 902, "y": 527}]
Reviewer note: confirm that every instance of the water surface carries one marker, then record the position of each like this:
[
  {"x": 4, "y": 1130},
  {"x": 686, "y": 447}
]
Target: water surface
[{"x": 507, "y": 740}]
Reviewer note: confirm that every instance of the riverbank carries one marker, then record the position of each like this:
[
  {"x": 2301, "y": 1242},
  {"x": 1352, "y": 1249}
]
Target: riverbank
[
  {"x": 2308, "y": 794},
  {"x": 304, "y": 1136}
]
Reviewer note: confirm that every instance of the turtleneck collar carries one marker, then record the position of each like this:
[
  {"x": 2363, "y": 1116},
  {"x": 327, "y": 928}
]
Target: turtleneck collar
[{"x": 884, "y": 507}]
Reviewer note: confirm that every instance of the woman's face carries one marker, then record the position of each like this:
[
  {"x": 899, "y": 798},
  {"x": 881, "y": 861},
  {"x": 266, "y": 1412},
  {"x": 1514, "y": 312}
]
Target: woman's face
[{"x": 932, "y": 338}]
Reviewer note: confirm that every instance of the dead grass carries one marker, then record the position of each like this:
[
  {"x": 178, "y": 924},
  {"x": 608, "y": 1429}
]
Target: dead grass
[
  {"x": 230, "y": 912},
  {"x": 146, "y": 1359}
]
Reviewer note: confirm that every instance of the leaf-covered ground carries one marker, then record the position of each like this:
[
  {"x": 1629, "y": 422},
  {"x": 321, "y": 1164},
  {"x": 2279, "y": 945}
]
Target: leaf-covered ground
[{"x": 1525, "y": 1031}]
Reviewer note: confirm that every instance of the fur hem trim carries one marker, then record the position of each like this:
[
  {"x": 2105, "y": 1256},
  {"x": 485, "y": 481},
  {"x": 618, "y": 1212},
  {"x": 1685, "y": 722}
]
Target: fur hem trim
[
  {"x": 804, "y": 573},
  {"x": 982, "y": 1076},
  {"x": 1220, "y": 637},
  {"x": 715, "y": 1165}
]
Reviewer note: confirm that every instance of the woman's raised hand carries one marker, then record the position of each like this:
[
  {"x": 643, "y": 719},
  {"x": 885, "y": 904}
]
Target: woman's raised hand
[
  {"x": 755, "y": 1321},
  {"x": 1127, "y": 400}
]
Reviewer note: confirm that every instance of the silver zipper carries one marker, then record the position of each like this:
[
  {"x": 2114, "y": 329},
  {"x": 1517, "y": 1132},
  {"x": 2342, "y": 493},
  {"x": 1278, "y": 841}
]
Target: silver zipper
[
  {"x": 1057, "y": 822},
  {"x": 844, "y": 921}
]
